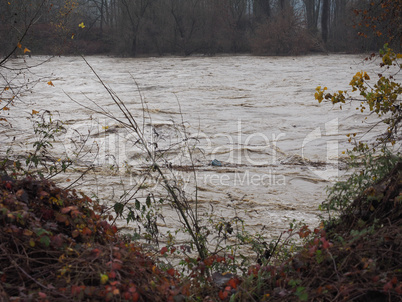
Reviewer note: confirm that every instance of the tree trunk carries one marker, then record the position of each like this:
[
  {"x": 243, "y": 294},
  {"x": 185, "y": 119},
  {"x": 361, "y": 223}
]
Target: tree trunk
[
  {"x": 325, "y": 20},
  {"x": 134, "y": 46},
  {"x": 262, "y": 9},
  {"x": 312, "y": 12}
]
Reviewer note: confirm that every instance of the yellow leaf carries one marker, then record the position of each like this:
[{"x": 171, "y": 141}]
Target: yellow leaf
[
  {"x": 72, "y": 36},
  {"x": 6, "y": 88},
  {"x": 81, "y": 25},
  {"x": 31, "y": 242},
  {"x": 104, "y": 278},
  {"x": 50, "y": 83},
  {"x": 19, "y": 45},
  {"x": 26, "y": 50},
  {"x": 6, "y": 108},
  {"x": 27, "y": 232},
  {"x": 34, "y": 112},
  {"x": 105, "y": 127}
]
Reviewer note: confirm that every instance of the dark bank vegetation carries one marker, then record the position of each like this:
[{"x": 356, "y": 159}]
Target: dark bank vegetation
[
  {"x": 57, "y": 245},
  {"x": 173, "y": 27},
  {"x": 60, "y": 245}
]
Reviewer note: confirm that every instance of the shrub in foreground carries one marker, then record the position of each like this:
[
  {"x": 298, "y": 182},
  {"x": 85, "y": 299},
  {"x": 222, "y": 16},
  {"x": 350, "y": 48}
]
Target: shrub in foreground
[
  {"x": 357, "y": 258},
  {"x": 56, "y": 245}
]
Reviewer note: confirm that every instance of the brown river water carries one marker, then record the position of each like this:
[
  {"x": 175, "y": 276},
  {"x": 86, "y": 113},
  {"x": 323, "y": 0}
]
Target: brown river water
[{"x": 275, "y": 148}]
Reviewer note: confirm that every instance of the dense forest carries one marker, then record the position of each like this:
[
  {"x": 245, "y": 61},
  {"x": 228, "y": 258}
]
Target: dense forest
[{"x": 185, "y": 27}]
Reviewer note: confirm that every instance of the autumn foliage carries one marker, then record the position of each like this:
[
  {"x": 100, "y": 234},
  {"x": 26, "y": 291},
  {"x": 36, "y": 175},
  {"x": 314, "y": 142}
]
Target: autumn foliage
[
  {"x": 381, "y": 18},
  {"x": 355, "y": 259},
  {"x": 56, "y": 245}
]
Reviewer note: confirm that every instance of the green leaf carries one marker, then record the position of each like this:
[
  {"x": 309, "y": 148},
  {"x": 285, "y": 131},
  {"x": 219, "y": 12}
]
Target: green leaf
[
  {"x": 41, "y": 232},
  {"x": 45, "y": 240},
  {"x": 302, "y": 293},
  {"x": 130, "y": 216},
  {"x": 118, "y": 208}
]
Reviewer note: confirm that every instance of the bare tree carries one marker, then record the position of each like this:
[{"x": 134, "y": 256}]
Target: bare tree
[
  {"x": 131, "y": 16},
  {"x": 312, "y": 12},
  {"x": 339, "y": 23},
  {"x": 325, "y": 20},
  {"x": 262, "y": 9}
]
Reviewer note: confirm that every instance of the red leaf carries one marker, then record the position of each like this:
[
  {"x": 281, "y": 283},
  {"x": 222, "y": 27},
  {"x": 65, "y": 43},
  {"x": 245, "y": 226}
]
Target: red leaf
[
  {"x": 171, "y": 272},
  {"x": 136, "y": 296},
  {"x": 209, "y": 261},
  {"x": 387, "y": 286},
  {"x": 185, "y": 290},
  {"x": 61, "y": 218},
  {"x": 233, "y": 282},
  {"x": 312, "y": 250},
  {"x": 117, "y": 255},
  {"x": 67, "y": 209},
  {"x": 116, "y": 266},
  {"x": 114, "y": 229},
  {"x": 75, "y": 290},
  {"x": 220, "y": 259},
  {"x": 96, "y": 251},
  {"x": 57, "y": 240},
  {"x": 325, "y": 243},
  {"x": 86, "y": 231},
  {"x": 164, "y": 250},
  {"x": 223, "y": 294},
  {"x": 43, "y": 194}
]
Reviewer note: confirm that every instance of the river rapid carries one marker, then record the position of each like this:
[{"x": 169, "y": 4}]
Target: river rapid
[{"x": 274, "y": 149}]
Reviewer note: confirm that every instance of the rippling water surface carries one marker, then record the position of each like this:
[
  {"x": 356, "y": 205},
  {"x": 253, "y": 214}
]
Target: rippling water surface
[{"x": 278, "y": 148}]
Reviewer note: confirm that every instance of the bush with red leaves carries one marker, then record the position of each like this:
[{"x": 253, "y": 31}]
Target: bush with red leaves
[{"x": 56, "y": 245}]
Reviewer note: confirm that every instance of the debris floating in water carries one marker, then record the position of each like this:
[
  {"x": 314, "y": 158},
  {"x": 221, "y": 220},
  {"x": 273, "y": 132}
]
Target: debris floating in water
[{"x": 216, "y": 163}]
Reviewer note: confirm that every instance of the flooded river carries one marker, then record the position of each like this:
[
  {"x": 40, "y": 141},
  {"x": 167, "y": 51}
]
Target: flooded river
[{"x": 263, "y": 149}]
